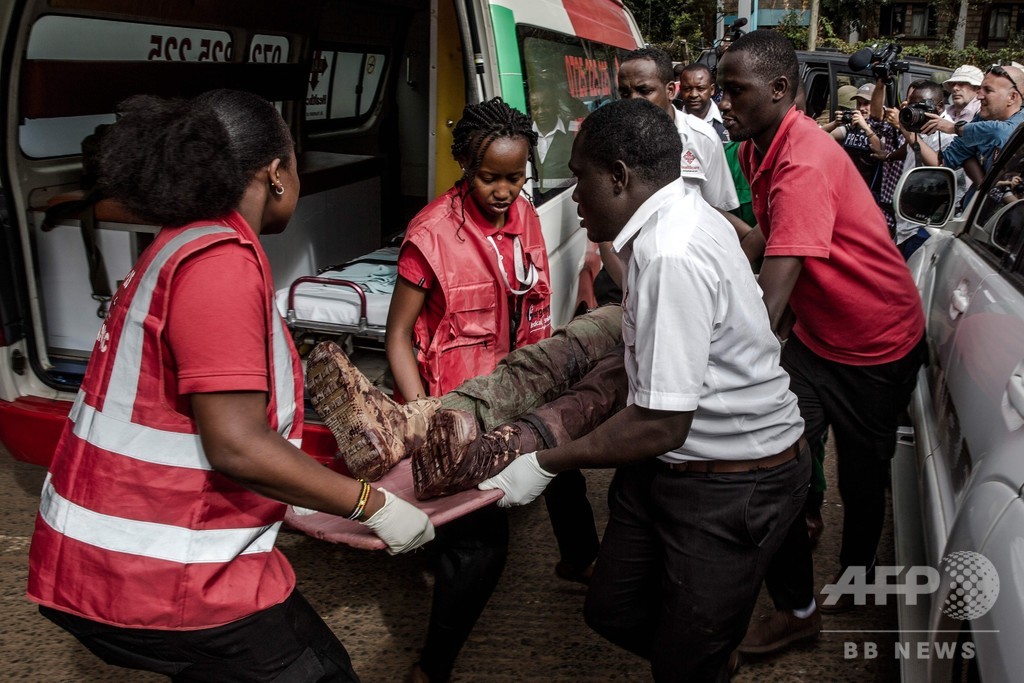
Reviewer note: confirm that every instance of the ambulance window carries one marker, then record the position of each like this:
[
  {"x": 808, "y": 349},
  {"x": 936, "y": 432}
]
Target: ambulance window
[
  {"x": 344, "y": 85},
  {"x": 57, "y": 38},
  {"x": 566, "y": 79}
]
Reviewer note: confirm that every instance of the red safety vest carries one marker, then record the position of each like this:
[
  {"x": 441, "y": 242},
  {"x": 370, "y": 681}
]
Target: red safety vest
[
  {"x": 475, "y": 332},
  {"x": 135, "y": 528}
]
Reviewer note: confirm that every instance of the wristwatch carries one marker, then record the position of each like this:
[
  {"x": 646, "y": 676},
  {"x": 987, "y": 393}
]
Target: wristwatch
[{"x": 958, "y": 126}]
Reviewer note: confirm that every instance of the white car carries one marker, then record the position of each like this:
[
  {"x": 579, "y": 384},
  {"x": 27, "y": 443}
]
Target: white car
[{"x": 958, "y": 472}]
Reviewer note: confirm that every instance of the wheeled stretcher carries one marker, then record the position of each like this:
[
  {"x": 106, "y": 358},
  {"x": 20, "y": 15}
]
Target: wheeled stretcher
[{"x": 352, "y": 298}]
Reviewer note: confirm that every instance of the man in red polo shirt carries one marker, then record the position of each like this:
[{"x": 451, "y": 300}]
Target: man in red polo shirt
[{"x": 838, "y": 290}]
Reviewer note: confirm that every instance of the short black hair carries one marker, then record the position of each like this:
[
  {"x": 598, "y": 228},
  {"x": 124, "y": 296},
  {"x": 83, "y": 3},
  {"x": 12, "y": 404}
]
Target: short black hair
[
  {"x": 929, "y": 90},
  {"x": 175, "y": 161},
  {"x": 695, "y": 67},
  {"x": 772, "y": 56},
  {"x": 659, "y": 57},
  {"x": 638, "y": 133}
]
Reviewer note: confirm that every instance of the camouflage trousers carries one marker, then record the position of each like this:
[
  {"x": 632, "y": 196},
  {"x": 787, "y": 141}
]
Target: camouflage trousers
[{"x": 564, "y": 385}]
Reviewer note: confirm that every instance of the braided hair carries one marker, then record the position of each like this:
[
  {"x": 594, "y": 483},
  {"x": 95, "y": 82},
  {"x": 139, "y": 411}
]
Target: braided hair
[{"x": 480, "y": 125}]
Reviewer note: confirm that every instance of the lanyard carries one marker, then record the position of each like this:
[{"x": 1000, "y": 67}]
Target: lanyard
[{"x": 527, "y": 278}]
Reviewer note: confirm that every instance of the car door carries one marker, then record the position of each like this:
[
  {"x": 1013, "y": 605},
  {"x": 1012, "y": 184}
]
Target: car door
[{"x": 976, "y": 323}]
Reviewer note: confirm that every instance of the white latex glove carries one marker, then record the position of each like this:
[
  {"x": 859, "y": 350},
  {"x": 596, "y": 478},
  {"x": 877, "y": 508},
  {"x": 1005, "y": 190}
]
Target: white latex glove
[
  {"x": 400, "y": 524},
  {"x": 522, "y": 481}
]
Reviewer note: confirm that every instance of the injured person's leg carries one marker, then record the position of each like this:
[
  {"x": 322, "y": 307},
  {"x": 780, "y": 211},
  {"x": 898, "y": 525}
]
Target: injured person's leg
[
  {"x": 373, "y": 432},
  {"x": 458, "y": 455}
]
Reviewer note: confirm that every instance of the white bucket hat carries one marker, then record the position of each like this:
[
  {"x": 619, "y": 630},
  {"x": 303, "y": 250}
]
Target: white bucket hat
[{"x": 968, "y": 74}]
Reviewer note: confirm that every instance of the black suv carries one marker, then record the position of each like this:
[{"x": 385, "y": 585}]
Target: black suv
[{"x": 823, "y": 71}]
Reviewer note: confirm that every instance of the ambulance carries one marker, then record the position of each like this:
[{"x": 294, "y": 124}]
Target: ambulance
[{"x": 370, "y": 90}]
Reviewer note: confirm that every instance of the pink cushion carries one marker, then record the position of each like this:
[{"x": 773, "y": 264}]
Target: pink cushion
[{"x": 399, "y": 482}]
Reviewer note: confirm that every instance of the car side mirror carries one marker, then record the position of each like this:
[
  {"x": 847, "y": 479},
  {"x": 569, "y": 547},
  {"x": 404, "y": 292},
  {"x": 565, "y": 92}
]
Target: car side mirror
[{"x": 926, "y": 195}]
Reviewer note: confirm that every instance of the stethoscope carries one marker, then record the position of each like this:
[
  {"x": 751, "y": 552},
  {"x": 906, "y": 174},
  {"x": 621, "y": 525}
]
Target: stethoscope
[{"x": 526, "y": 277}]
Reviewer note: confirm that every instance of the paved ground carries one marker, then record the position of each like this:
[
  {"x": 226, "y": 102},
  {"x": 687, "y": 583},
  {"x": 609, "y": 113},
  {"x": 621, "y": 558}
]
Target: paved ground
[{"x": 532, "y": 630}]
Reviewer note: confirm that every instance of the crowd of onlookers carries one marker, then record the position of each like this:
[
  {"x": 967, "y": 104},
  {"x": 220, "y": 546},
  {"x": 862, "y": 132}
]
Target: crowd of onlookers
[{"x": 961, "y": 123}]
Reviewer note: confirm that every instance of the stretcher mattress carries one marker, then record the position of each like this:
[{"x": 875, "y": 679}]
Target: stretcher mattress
[
  {"x": 322, "y": 303},
  {"x": 399, "y": 482}
]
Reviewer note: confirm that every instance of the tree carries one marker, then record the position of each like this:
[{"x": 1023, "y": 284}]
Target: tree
[{"x": 672, "y": 21}]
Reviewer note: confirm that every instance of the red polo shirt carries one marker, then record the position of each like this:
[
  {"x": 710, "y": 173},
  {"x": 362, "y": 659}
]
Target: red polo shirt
[{"x": 855, "y": 300}]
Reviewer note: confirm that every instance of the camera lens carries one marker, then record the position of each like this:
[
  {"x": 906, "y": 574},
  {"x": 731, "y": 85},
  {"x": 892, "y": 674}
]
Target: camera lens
[{"x": 912, "y": 118}]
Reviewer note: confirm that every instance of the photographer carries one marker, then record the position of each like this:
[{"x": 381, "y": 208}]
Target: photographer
[
  {"x": 865, "y": 135},
  {"x": 923, "y": 106},
  {"x": 963, "y": 87},
  {"x": 979, "y": 142},
  {"x": 862, "y": 134}
]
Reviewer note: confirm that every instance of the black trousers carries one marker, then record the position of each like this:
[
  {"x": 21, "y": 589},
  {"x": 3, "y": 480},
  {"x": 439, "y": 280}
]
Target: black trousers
[
  {"x": 572, "y": 519},
  {"x": 469, "y": 557},
  {"x": 287, "y": 643},
  {"x": 863, "y": 405},
  {"x": 683, "y": 558}
]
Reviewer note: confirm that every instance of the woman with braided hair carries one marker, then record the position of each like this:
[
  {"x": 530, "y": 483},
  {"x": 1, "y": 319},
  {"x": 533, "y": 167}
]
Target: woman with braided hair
[
  {"x": 473, "y": 285},
  {"x": 473, "y": 272}
]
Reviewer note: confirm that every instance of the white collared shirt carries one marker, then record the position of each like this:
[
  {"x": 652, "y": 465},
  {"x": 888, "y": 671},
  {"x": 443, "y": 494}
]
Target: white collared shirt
[
  {"x": 703, "y": 163},
  {"x": 714, "y": 113},
  {"x": 969, "y": 111},
  {"x": 696, "y": 332},
  {"x": 544, "y": 139}
]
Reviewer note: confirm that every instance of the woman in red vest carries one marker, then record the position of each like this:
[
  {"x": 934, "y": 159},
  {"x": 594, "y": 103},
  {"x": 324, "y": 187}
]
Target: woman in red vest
[
  {"x": 473, "y": 285},
  {"x": 473, "y": 270},
  {"x": 155, "y": 539}
]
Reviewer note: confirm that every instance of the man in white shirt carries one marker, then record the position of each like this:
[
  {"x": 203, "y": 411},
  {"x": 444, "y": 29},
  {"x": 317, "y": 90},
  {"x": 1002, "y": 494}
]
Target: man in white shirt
[
  {"x": 696, "y": 86},
  {"x": 554, "y": 139},
  {"x": 712, "y": 471},
  {"x": 647, "y": 73}
]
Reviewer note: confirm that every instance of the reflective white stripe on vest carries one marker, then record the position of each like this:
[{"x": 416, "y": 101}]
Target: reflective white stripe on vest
[
  {"x": 148, "y": 539},
  {"x": 139, "y": 442},
  {"x": 284, "y": 377},
  {"x": 132, "y": 440},
  {"x": 111, "y": 428},
  {"x": 124, "y": 376}
]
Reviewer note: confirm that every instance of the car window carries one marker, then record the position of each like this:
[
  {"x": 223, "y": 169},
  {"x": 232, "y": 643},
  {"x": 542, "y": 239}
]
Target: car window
[
  {"x": 566, "y": 78},
  {"x": 72, "y": 39},
  {"x": 344, "y": 85},
  {"x": 998, "y": 224}
]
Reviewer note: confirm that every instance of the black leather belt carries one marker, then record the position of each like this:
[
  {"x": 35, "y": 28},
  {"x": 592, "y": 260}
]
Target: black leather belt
[{"x": 734, "y": 466}]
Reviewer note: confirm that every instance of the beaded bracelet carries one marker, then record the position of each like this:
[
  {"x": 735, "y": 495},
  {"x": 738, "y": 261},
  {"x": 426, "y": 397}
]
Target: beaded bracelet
[{"x": 364, "y": 496}]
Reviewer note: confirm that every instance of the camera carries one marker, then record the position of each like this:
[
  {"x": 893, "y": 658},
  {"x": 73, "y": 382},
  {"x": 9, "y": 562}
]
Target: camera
[
  {"x": 885, "y": 63},
  {"x": 914, "y": 116},
  {"x": 847, "y": 118}
]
